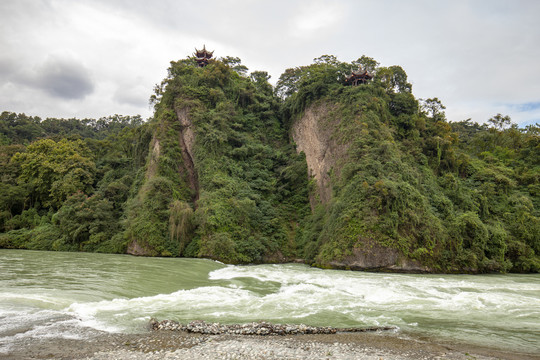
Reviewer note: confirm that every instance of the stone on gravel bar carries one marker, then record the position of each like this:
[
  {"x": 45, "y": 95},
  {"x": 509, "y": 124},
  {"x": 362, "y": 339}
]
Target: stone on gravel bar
[{"x": 255, "y": 328}]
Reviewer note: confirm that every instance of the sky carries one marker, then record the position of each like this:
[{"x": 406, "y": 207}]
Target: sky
[{"x": 95, "y": 58}]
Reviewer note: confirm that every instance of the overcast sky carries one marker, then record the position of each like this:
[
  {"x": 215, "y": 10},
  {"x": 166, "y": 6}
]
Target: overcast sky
[{"x": 67, "y": 58}]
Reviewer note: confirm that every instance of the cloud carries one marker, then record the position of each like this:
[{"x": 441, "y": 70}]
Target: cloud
[
  {"x": 316, "y": 17},
  {"x": 63, "y": 78},
  {"x": 60, "y": 77},
  {"x": 132, "y": 94},
  {"x": 7, "y": 67},
  {"x": 478, "y": 57}
]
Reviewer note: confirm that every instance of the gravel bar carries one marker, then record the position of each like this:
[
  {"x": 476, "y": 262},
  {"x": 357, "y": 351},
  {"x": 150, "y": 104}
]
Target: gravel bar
[
  {"x": 353, "y": 346},
  {"x": 174, "y": 344}
]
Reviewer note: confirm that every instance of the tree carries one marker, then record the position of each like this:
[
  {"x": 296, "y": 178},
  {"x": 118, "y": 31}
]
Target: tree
[
  {"x": 236, "y": 64},
  {"x": 86, "y": 221},
  {"x": 19, "y": 128},
  {"x": 55, "y": 170},
  {"x": 394, "y": 79},
  {"x": 327, "y": 60},
  {"x": 500, "y": 122},
  {"x": 367, "y": 63},
  {"x": 403, "y": 103},
  {"x": 180, "y": 223},
  {"x": 260, "y": 79},
  {"x": 288, "y": 82},
  {"x": 433, "y": 107}
]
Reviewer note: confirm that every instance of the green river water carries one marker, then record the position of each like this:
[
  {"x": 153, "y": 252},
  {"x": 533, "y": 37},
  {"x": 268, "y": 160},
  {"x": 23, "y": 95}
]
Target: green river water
[{"x": 77, "y": 295}]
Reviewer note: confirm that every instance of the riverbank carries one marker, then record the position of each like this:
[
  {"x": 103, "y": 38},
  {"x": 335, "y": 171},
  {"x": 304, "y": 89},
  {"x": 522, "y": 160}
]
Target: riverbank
[{"x": 182, "y": 345}]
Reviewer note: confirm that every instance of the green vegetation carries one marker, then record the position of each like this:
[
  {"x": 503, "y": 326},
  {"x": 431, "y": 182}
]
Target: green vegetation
[
  {"x": 454, "y": 196},
  {"x": 242, "y": 197},
  {"x": 215, "y": 174},
  {"x": 65, "y": 182}
]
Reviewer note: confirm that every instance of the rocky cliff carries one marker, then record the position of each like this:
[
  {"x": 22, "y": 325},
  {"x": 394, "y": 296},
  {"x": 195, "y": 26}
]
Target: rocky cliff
[
  {"x": 317, "y": 134},
  {"x": 186, "y": 140},
  {"x": 220, "y": 181},
  {"x": 313, "y": 133}
]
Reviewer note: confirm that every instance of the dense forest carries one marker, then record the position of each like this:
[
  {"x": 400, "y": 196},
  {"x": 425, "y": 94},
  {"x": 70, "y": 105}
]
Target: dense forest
[{"x": 234, "y": 169}]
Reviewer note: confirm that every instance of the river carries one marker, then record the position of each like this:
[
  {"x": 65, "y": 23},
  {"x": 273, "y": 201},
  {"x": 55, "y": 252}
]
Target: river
[{"x": 78, "y": 295}]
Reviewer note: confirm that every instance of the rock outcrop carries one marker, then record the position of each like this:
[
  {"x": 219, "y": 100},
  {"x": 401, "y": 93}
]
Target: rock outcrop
[
  {"x": 186, "y": 138},
  {"x": 136, "y": 249},
  {"x": 375, "y": 257},
  {"x": 313, "y": 134},
  {"x": 316, "y": 134}
]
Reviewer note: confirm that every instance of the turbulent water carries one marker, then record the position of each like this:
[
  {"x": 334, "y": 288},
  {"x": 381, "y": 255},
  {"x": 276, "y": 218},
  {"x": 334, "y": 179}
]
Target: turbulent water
[{"x": 76, "y": 295}]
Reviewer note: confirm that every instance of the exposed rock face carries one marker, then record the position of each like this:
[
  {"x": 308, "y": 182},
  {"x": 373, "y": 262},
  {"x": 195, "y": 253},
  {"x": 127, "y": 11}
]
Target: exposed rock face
[
  {"x": 313, "y": 134},
  {"x": 187, "y": 140},
  {"x": 375, "y": 257},
  {"x": 134, "y": 248}
]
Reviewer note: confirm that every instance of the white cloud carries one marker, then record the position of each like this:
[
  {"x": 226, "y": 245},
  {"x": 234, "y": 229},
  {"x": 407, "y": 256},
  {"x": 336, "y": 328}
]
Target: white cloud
[
  {"x": 479, "y": 57},
  {"x": 317, "y": 16},
  {"x": 133, "y": 94}
]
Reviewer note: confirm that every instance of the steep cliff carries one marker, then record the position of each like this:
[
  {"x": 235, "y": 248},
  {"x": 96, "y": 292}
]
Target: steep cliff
[
  {"x": 221, "y": 180},
  {"x": 393, "y": 189},
  {"x": 313, "y": 134},
  {"x": 186, "y": 140},
  {"x": 327, "y": 143},
  {"x": 169, "y": 182}
]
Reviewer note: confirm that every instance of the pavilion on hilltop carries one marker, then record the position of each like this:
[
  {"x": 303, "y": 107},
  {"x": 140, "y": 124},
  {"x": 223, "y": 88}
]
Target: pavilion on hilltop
[
  {"x": 203, "y": 56},
  {"x": 359, "y": 77}
]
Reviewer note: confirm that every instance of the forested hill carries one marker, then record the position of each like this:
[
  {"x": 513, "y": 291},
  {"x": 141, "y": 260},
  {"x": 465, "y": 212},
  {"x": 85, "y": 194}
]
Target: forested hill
[{"x": 233, "y": 169}]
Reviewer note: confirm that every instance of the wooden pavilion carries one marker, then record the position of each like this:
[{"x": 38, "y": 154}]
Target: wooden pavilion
[
  {"x": 359, "y": 77},
  {"x": 203, "y": 56}
]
